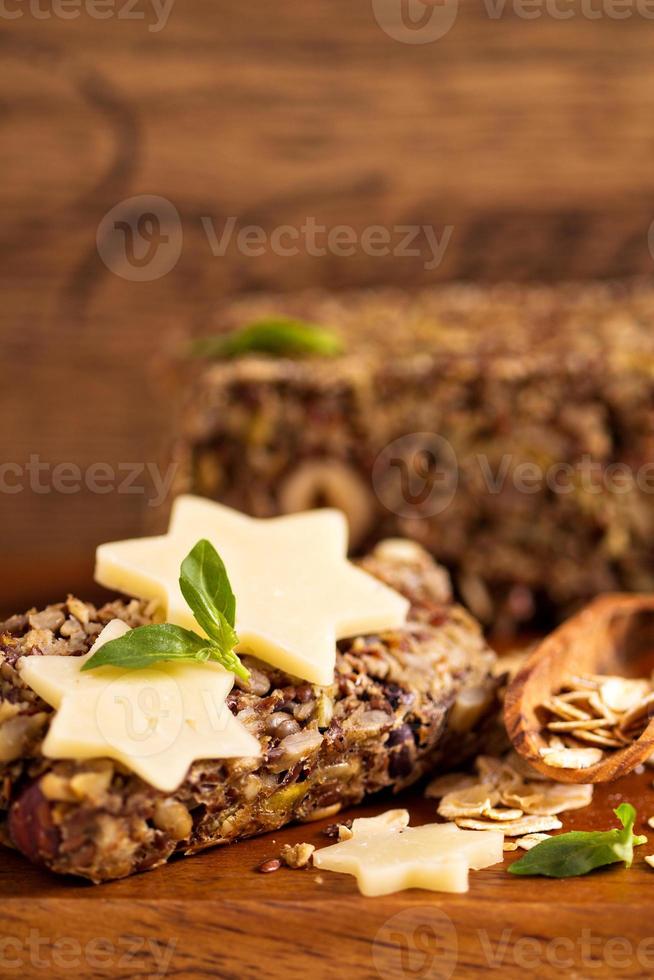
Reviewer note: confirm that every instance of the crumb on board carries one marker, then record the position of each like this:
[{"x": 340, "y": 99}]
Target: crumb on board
[{"x": 296, "y": 855}]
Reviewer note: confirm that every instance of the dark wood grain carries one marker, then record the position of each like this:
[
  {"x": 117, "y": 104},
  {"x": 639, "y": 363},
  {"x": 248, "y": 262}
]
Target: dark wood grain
[
  {"x": 533, "y": 139},
  {"x": 215, "y": 915}
]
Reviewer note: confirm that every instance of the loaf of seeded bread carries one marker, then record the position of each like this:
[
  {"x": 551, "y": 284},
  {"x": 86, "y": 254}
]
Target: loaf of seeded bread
[
  {"x": 401, "y": 703},
  {"x": 510, "y": 430}
]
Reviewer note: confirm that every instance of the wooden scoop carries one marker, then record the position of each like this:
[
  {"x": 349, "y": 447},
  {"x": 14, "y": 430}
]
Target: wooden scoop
[{"x": 612, "y": 635}]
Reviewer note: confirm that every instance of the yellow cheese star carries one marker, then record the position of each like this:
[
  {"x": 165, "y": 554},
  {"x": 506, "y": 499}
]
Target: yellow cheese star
[
  {"x": 155, "y": 721},
  {"x": 296, "y": 593},
  {"x": 436, "y": 857}
]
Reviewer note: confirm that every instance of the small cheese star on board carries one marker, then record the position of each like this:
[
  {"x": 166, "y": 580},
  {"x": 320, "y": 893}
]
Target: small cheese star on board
[
  {"x": 155, "y": 721},
  {"x": 296, "y": 592},
  {"x": 436, "y": 857}
]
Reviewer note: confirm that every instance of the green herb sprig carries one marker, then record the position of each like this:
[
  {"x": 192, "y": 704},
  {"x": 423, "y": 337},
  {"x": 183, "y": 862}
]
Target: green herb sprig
[
  {"x": 276, "y": 335},
  {"x": 581, "y": 851},
  {"x": 205, "y": 585}
]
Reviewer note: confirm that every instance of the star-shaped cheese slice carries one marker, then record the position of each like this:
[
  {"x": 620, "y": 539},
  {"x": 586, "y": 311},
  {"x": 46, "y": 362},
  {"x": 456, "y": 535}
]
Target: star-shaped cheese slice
[
  {"x": 155, "y": 721},
  {"x": 386, "y": 859},
  {"x": 296, "y": 593}
]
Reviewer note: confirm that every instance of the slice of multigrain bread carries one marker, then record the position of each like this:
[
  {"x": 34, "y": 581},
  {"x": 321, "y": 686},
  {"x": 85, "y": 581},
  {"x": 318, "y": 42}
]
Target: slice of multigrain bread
[{"x": 400, "y": 704}]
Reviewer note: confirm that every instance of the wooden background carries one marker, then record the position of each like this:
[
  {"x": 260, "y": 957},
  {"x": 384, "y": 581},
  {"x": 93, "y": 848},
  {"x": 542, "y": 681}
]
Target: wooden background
[{"x": 534, "y": 138}]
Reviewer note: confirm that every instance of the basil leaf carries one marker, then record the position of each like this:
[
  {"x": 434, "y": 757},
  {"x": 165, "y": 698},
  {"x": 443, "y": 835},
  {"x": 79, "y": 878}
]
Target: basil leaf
[
  {"x": 205, "y": 586},
  {"x": 149, "y": 645},
  {"x": 277, "y": 335},
  {"x": 579, "y": 852},
  {"x": 146, "y": 645}
]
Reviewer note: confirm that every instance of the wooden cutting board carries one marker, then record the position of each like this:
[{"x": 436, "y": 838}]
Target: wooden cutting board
[{"x": 214, "y": 915}]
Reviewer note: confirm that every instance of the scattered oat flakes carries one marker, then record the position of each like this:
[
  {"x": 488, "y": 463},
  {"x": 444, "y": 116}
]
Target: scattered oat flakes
[
  {"x": 553, "y": 798},
  {"x": 507, "y": 795},
  {"x": 530, "y": 840},
  {"x": 514, "y": 828},
  {"x": 448, "y": 783},
  {"x": 472, "y": 802}
]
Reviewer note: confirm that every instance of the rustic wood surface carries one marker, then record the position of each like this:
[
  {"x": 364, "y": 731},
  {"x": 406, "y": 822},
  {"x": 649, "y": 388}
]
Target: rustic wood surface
[
  {"x": 214, "y": 915},
  {"x": 533, "y": 138}
]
